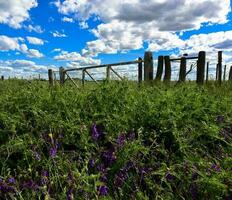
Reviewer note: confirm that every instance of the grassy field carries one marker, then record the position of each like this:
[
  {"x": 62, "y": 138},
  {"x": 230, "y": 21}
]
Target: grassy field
[{"x": 115, "y": 141}]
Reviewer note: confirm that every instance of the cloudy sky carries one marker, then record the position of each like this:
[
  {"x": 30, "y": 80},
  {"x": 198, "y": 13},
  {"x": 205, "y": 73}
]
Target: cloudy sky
[{"x": 36, "y": 34}]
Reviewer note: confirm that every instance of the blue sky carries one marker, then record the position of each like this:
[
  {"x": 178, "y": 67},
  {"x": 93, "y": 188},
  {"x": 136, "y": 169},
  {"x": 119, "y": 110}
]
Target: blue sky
[{"x": 36, "y": 35}]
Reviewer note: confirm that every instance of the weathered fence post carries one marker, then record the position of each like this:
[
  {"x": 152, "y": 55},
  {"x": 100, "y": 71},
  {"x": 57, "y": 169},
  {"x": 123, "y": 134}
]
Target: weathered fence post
[
  {"x": 201, "y": 67},
  {"x": 168, "y": 72},
  {"x": 207, "y": 72},
  {"x": 2, "y": 78},
  {"x": 148, "y": 66},
  {"x": 182, "y": 74},
  {"x": 220, "y": 67},
  {"x": 50, "y": 77},
  {"x": 39, "y": 77},
  {"x": 230, "y": 74},
  {"x": 83, "y": 77},
  {"x": 160, "y": 67},
  {"x": 217, "y": 72},
  {"x": 108, "y": 73},
  {"x": 140, "y": 70},
  {"x": 224, "y": 75},
  {"x": 62, "y": 75}
]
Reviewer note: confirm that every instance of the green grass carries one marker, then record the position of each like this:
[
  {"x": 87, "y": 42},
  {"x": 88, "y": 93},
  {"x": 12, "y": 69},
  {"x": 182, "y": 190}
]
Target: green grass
[{"x": 156, "y": 141}]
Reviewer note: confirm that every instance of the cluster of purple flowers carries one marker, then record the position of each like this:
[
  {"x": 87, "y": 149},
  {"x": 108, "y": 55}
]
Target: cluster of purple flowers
[
  {"x": 96, "y": 132},
  {"x": 220, "y": 119},
  {"x": 7, "y": 186},
  {"x": 108, "y": 158}
]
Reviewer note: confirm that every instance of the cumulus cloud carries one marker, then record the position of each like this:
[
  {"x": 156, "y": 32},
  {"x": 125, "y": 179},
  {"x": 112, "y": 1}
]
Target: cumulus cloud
[
  {"x": 36, "y": 28},
  {"x": 24, "y": 68},
  {"x": 77, "y": 58},
  {"x": 35, "y": 41},
  {"x": 126, "y": 25},
  {"x": 58, "y": 34},
  {"x": 67, "y": 19},
  {"x": 7, "y": 43},
  {"x": 14, "y": 13},
  {"x": 15, "y": 44}
]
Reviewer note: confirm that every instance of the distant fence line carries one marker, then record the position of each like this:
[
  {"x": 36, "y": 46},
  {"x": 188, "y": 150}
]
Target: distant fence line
[{"x": 146, "y": 69}]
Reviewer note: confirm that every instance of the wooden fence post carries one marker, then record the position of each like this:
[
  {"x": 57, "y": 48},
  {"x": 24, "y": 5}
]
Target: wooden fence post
[
  {"x": 201, "y": 67},
  {"x": 230, "y": 74},
  {"x": 160, "y": 67},
  {"x": 2, "y": 78},
  {"x": 207, "y": 72},
  {"x": 140, "y": 71},
  {"x": 50, "y": 77},
  {"x": 83, "y": 77},
  {"x": 108, "y": 73},
  {"x": 62, "y": 76},
  {"x": 224, "y": 75},
  {"x": 220, "y": 67},
  {"x": 168, "y": 72},
  {"x": 182, "y": 74},
  {"x": 148, "y": 66}
]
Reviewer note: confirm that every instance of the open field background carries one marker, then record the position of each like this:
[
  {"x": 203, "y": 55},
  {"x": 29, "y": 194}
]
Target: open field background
[{"x": 115, "y": 141}]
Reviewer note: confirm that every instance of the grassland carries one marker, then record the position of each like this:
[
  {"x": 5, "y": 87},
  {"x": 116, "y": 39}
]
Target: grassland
[{"x": 115, "y": 141}]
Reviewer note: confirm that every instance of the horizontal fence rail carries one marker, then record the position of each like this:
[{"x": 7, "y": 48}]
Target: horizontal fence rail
[{"x": 198, "y": 65}]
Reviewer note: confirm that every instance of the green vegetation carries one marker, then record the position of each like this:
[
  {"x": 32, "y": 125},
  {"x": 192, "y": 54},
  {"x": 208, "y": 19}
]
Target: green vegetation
[{"x": 115, "y": 141}]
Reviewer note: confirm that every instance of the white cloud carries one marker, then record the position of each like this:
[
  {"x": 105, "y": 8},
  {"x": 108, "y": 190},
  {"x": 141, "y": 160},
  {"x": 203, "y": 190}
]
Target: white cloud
[
  {"x": 58, "y": 34},
  {"x": 7, "y": 43},
  {"x": 34, "y": 53},
  {"x": 77, "y": 58},
  {"x": 127, "y": 24},
  {"x": 14, "y": 13},
  {"x": 67, "y": 19},
  {"x": 36, "y": 28},
  {"x": 35, "y": 41},
  {"x": 56, "y": 50},
  {"x": 24, "y": 68},
  {"x": 13, "y": 44}
]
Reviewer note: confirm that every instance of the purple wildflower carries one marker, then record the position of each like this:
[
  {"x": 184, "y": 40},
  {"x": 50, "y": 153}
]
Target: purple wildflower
[
  {"x": 11, "y": 180},
  {"x": 69, "y": 194},
  {"x": 121, "y": 139},
  {"x": 30, "y": 184},
  {"x": 7, "y": 189},
  {"x": 103, "y": 178},
  {"x": 216, "y": 167},
  {"x": 44, "y": 177},
  {"x": 91, "y": 163},
  {"x": 101, "y": 168},
  {"x": 193, "y": 190},
  {"x": 108, "y": 158},
  {"x": 120, "y": 178},
  {"x": 220, "y": 119},
  {"x": 103, "y": 190},
  {"x": 194, "y": 176},
  {"x": 131, "y": 135},
  {"x": 95, "y": 132},
  {"x": 37, "y": 156},
  {"x": 169, "y": 176},
  {"x": 53, "y": 152}
]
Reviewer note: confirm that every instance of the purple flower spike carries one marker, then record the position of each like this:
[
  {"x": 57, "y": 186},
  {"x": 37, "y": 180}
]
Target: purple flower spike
[
  {"x": 121, "y": 139},
  {"x": 91, "y": 163},
  {"x": 216, "y": 168},
  {"x": 102, "y": 190},
  {"x": 11, "y": 180},
  {"x": 220, "y": 119},
  {"x": 169, "y": 177},
  {"x": 52, "y": 152},
  {"x": 96, "y": 133},
  {"x": 69, "y": 194},
  {"x": 37, "y": 156}
]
